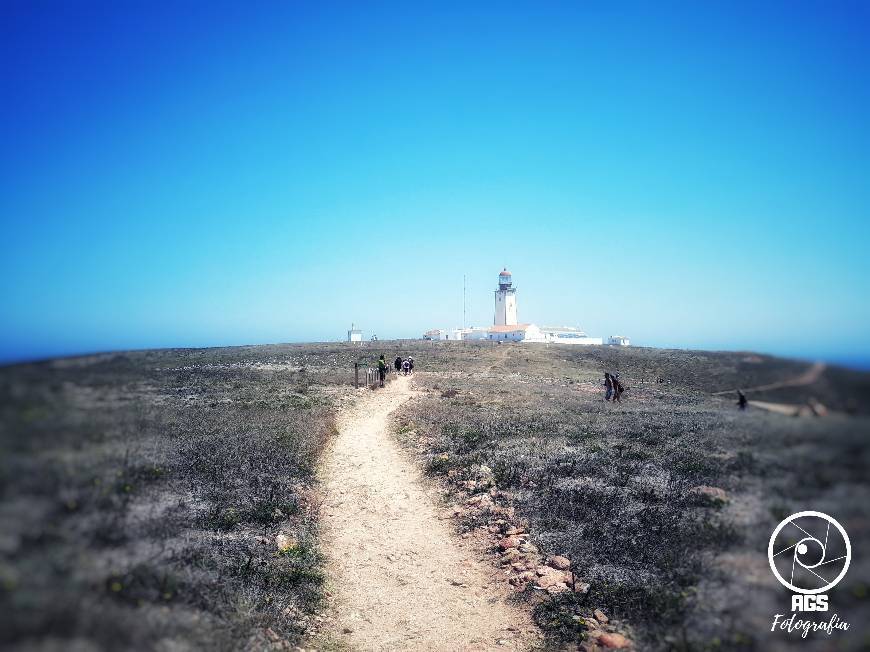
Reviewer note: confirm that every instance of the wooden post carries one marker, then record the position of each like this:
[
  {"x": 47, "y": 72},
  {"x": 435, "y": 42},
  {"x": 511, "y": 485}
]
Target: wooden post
[{"x": 356, "y": 375}]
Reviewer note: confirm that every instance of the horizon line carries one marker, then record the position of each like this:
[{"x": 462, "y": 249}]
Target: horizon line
[{"x": 856, "y": 363}]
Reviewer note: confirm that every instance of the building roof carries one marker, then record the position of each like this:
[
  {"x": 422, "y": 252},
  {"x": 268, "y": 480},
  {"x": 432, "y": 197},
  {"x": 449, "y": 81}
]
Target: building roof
[
  {"x": 509, "y": 328},
  {"x": 504, "y": 272}
]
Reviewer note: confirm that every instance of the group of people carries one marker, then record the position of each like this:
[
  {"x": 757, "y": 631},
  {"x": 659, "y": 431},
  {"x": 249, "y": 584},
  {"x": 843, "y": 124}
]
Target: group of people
[
  {"x": 613, "y": 388},
  {"x": 405, "y": 366}
]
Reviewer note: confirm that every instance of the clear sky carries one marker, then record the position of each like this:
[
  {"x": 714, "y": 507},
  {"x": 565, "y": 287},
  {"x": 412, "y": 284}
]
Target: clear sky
[{"x": 690, "y": 174}]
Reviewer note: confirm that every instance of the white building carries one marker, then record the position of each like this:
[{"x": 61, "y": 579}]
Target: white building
[
  {"x": 568, "y": 335},
  {"x": 439, "y": 334},
  {"x": 354, "y": 334},
  {"x": 516, "y": 333},
  {"x": 475, "y": 333},
  {"x": 434, "y": 334},
  {"x": 619, "y": 340},
  {"x": 505, "y": 300},
  {"x": 506, "y": 327},
  {"x": 456, "y": 334}
]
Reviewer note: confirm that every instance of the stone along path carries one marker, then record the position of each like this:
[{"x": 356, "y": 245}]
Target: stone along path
[{"x": 399, "y": 577}]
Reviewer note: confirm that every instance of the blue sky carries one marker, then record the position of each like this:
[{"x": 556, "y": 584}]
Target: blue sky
[{"x": 197, "y": 174}]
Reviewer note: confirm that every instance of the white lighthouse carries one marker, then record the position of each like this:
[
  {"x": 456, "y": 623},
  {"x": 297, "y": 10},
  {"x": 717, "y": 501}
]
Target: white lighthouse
[
  {"x": 506, "y": 328},
  {"x": 505, "y": 301}
]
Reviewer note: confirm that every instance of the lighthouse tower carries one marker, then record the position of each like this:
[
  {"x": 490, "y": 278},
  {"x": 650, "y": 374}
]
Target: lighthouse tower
[{"x": 505, "y": 301}]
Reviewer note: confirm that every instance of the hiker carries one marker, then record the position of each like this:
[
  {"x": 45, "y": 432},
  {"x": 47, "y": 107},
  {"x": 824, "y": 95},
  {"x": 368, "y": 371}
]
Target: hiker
[
  {"x": 397, "y": 363},
  {"x": 405, "y": 367},
  {"x": 741, "y": 400},
  {"x": 618, "y": 389},
  {"x": 411, "y": 364},
  {"x": 608, "y": 386},
  {"x": 382, "y": 369}
]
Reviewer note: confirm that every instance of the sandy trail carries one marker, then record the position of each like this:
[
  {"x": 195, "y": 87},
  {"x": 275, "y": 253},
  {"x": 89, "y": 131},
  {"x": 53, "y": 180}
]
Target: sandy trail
[
  {"x": 500, "y": 360},
  {"x": 808, "y": 377},
  {"x": 400, "y": 579}
]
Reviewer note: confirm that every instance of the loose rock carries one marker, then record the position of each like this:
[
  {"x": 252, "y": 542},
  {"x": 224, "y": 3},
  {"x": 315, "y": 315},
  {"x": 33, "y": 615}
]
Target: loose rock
[
  {"x": 613, "y": 640},
  {"x": 716, "y": 493},
  {"x": 548, "y": 580},
  {"x": 509, "y": 542},
  {"x": 562, "y": 563}
]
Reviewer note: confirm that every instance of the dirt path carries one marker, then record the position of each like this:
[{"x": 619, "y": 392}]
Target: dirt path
[
  {"x": 808, "y": 377},
  {"x": 500, "y": 360},
  {"x": 400, "y": 579}
]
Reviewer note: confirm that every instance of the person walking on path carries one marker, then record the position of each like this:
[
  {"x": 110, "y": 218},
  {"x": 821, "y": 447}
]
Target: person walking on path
[
  {"x": 618, "y": 389},
  {"x": 608, "y": 386},
  {"x": 410, "y": 364},
  {"x": 382, "y": 370},
  {"x": 406, "y": 366},
  {"x": 397, "y": 363},
  {"x": 741, "y": 400}
]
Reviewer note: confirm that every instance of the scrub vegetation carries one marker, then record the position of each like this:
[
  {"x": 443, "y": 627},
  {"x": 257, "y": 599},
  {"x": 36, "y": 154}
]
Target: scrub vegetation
[
  {"x": 662, "y": 503},
  {"x": 159, "y": 499},
  {"x": 167, "y": 499}
]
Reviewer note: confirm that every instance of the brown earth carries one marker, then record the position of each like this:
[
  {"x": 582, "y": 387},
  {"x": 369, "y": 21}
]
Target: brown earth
[{"x": 399, "y": 578}]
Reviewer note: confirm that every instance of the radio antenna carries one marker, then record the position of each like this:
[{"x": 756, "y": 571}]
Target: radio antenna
[{"x": 463, "y": 302}]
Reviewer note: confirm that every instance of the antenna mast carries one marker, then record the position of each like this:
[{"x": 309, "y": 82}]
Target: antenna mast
[{"x": 463, "y": 302}]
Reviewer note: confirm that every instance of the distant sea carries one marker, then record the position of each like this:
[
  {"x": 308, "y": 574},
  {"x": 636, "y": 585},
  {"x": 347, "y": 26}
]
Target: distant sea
[{"x": 859, "y": 363}]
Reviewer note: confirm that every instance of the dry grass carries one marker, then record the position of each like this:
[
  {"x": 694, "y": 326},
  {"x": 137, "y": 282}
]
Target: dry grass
[
  {"x": 142, "y": 493},
  {"x": 609, "y": 486}
]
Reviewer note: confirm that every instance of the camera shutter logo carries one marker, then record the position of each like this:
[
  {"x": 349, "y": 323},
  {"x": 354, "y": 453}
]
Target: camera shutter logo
[{"x": 809, "y": 552}]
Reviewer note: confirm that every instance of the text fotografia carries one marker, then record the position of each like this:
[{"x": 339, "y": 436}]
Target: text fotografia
[{"x": 791, "y": 625}]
